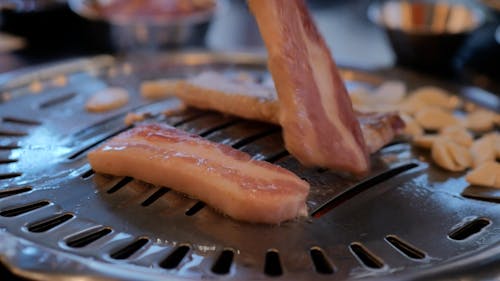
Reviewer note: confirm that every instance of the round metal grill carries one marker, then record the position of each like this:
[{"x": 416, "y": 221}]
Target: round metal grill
[{"x": 407, "y": 219}]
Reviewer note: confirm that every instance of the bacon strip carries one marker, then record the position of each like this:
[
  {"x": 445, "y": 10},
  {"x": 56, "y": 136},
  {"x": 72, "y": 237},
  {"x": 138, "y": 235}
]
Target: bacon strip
[
  {"x": 251, "y": 100},
  {"x": 319, "y": 124},
  {"x": 224, "y": 178}
]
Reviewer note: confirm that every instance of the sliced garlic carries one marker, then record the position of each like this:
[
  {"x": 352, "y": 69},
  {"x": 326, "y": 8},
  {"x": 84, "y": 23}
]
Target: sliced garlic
[
  {"x": 450, "y": 156},
  {"x": 483, "y": 150},
  {"x": 132, "y": 118},
  {"x": 434, "y": 118},
  {"x": 434, "y": 96},
  {"x": 389, "y": 92},
  {"x": 458, "y": 134},
  {"x": 412, "y": 128},
  {"x": 158, "y": 89},
  {"x": 488, "y": 174},
  {"x": 107, "y": 99},
  {"x": 425, "y": 141},
  {"x": 480, "y": 120}
]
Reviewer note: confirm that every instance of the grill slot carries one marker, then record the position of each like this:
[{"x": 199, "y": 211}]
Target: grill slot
[
  {"x": 358, "y": 188},
  {"x": 320, "y": 261},
  {"x": 365, "y": 257},
  {"x": 127, "y": 251},
  {"x": 155, "y": 196},
  {"x": 119, "y": 185},
  {"x": 469, "y": 229},
  {"x": 21, "y": 121},
  {"x": 56, "y": 101},
  {"x": 81, "y": 241},
  {"x": 176, "y": 257},
  {"x": 10, "y": 176},
  {"x": 23, "y": 209},
  {"x": 15, "y": 191},
  {"x": 88, "y": 174},
  {"x": 405, "y": 248},
  {"x": 272, "y": 264},
  {"x": 50, "y": 223},
  {"x": 9, "y": 133},
  {"x": 207, "y": 124},
  {"x": 90, "y": 146},
  {"x": 223, "y": 263},
  {"x": 9, "y": 147},
  {"x": 7, "y": 161},
  {"x": 195, "y": 209},
  {"x": 179, "y": 120},
  {"x": 255, "y": 137}
]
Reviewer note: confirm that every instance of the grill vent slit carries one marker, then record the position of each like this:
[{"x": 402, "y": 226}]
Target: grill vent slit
[
  {"x": 23, "y": 209},
  {"x": 21, "y": 121},
  {"x": 9, "y": 176},
  {"x": 120, "y": 184},
  {"x": 7, "y": 161},
  {"x": 15, "y": 191},
  {"x": 48, "y": 224},
  {"x": 366, "y": 257},
  {"x": 277, "y": 157},
  {"x": 127, "y": 251},
  {"x": 57, "y": 100},
  {"x": 87, "y": 174},
  {"x": 223, "y": 263},
  {"x": 9, "y": 147},
  {"x": 188, "y": 119},
  {"x": 155, "y": 196},
  {"x": 220, "y": 127},
  {"x": 8, "y": 133},
  {"x": 175, "y": 258},
  {"x": 405, "y": 248},
  {"x": 469, "y": 229},
  {"x": 255, "y": 137},
  {"x": 82, "y": 241},
  {"x": 272, "y": 266},
  {"x": 195, "y": 209},
  {"x": 88, "y": 147},
  {"x": 358, "y": 188},
  {"x": 320, "y": 261}
]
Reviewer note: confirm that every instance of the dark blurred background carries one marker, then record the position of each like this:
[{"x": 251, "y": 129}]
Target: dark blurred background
[{"x": 46, "y": 31}]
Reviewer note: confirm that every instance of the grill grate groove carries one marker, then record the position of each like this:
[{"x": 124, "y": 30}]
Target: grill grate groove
[
  {"x": 10, "y": 176},
  {"x": 127, "y": 251},
  {"x": 365, "y": 257},
  {"x": 9, "y": 133},
  {"x": 8, "y": 161},
  {"x": 56, "y": 101},
  {"x": 14, "y": 191},
  {"x": 195, "y": 209},
  {"x": 50, "y": 223},
  {"x": 13, "y": 212},
  {"x": 155, "y": 196},
  {"x": 320, "y": 261},
  {"x": 223, "y": 263},
  {"x": 21, "y": 121},
  {"x": 119, "y": 185},
  {"x": 90, "y": 146},
  {"x": 81, "y": 241},
  {"x": 272, "y": 264},
  {"x": 405, "y": 248},
  {"x": 176, "y": 257},
  {"x": 469, "y": 229}
]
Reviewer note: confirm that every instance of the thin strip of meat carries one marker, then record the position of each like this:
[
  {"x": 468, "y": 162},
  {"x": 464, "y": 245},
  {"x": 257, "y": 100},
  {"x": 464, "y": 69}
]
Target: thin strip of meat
[
  {"x": 223, "y": 177},
  {"x": 319, "y": 124},
  {"x": 251, "y": 100}
]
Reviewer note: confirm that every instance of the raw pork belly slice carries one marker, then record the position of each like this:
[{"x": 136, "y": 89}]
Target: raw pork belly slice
[
  {"x": 224, "y": 178},
  {"x": 319, "y": 124}
]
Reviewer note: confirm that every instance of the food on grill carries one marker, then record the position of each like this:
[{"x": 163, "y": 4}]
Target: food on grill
[
  {"x": 485, "y": 149},
  {"x": 319, "y": 124},
  {"x": 36, "y": 87},
  {"x": 487, "y": 174},
  {"x": 435, "y": 118},
  {"x": 450, "y": 155},
  {"x": 59, "y": 80},
  {"x": 107, "y": 99},
  {"x": 458, "y": 134},
  {"x": 248, "y": 99},
  {"x": 480, "y": 120},
  {"x": 224, "y": 178},
  {"x": 158, "y": 89},
  {"x": 240, "y": 97},
  {"x": 426, "y": 96}
]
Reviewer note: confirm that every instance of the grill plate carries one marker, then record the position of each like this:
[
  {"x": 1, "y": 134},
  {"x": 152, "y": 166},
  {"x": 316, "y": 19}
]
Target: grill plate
[{"x": 392, "y": 224}]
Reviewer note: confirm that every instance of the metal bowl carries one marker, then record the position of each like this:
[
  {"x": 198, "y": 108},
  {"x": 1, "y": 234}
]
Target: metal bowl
[
  {"x": 426, "y": 35},
  {"x": 147, "y": 33}
]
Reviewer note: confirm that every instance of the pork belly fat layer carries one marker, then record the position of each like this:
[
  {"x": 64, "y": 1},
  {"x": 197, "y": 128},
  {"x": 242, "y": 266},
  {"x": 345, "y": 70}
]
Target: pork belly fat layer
[
  {"x": 223, "y": 177},
  {"x": 319, "y": 125}
]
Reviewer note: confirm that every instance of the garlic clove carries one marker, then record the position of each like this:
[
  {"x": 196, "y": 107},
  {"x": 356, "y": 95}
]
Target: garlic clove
[
  {"x": 434, "y": 96},
  {"x": 487, "y": 174},
  {"x": 450, "y": 156},
  {"x": 434, "y": 118},
  {"x": 480, "y": 120},
  {"x": 483, "y": 150},
  {"x": 458, "y": 134}
]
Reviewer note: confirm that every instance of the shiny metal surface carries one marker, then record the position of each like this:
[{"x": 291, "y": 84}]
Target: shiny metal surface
[{"x": 62, "y": 222}]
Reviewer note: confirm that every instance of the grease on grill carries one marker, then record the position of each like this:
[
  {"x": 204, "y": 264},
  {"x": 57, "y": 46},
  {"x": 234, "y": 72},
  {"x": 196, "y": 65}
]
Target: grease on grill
[
  {"x": 47, "y": 224},
  {"x": 80, "y": 241},
  {"x": 365, "y": 257},
  {"x": 469, "y": 229},
  {"x": 16, "y": 211},
  {"x": 127, "y": 251},
  {"x": 405, "y": 248}
]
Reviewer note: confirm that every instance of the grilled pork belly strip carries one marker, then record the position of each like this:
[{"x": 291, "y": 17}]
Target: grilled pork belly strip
[
  {"x": 319, "y": 124},
  {"x": 224, "y": 178},
  {"x": 250, "y": 100}
]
